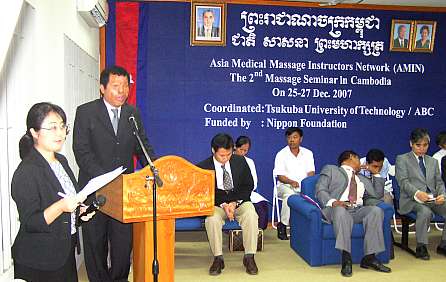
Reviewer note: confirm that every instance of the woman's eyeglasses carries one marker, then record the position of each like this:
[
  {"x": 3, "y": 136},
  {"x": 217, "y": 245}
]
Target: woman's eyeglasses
[{"x": 54, "y": 128}]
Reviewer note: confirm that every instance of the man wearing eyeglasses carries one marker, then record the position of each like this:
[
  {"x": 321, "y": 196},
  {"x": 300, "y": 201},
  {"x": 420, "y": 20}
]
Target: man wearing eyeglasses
[{"x": 103, "y": 140}]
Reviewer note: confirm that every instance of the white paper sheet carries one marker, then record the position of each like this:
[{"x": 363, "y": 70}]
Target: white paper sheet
[{"x": 98, "y": 182}]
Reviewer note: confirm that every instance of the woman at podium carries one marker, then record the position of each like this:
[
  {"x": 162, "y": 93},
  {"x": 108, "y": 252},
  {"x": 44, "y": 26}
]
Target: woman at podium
[{"x": 44, "y": 190}]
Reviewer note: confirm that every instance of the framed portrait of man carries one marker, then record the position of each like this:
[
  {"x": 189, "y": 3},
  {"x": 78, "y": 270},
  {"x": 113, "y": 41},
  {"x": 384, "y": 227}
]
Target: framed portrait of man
[
  {"x": 401, "y": 35},
  {"x": 424, "y": 36},
  {"x": 208, "y": 24}
]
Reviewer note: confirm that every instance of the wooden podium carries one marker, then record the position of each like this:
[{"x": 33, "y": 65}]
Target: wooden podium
[{"x": 187, "y": 191}]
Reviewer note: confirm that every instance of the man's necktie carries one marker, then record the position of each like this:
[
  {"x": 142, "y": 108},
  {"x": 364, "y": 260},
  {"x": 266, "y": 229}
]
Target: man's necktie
[
  {"x": 423, "y": 170},
  {"x": 352, "y": 192},
  {"x": 227, "y": 181},
  {"x": 422, "y": 167},
  {"x": 115, "y": 120}
]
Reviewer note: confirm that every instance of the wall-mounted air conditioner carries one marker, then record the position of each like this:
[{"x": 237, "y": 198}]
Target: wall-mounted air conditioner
[{"x": 94, "y": 12}]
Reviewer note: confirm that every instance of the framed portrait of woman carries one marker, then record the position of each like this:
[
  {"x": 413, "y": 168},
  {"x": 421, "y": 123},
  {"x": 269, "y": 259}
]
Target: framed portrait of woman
[
  {"x": 401, "y": 35},
  {"x": 208, "y": 24},
  {"x": 424, "y": 36}
]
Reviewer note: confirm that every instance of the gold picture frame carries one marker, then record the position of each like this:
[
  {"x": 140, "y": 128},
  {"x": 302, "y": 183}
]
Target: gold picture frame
[
  {"x": 401, "y": 35},
  {"x": 208, "y": 24},
  {"x": 424, "y": 31}
]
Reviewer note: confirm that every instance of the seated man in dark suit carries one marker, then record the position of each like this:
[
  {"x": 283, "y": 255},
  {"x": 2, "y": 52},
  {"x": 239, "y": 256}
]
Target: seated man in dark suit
[
  {"x": 233, "y": 188},
  {"x": 349, "y": 198},
  {"x": 422, "y": 189}
]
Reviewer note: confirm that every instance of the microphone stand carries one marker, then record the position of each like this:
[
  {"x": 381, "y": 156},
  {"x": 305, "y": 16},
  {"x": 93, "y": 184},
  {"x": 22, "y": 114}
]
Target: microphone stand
[{"x": 156, "y": 181}]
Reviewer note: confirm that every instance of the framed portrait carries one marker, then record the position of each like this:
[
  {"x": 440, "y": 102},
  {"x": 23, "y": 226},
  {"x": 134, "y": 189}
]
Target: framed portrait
[
  {"x": 424, "y": 36},
  {"x": 208, "y": 24},
  {"x": 401, "y": 35}
]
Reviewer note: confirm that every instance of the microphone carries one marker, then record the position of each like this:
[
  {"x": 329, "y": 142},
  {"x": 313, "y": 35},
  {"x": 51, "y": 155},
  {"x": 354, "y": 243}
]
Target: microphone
[
  {"x": 95, "y": 205},
  {"x": 134, "y": 124},
  {"x": 132, "y": 121}
]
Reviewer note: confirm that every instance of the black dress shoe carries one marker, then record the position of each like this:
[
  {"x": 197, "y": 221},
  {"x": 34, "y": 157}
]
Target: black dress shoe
[
  {"x": 217, "y": 266},
  {"x": 375, "y": 264},
  {"x": 441, "y": 250},
  {"x": 346, "y": 269},
  {"x": 250, "y": 264},
  {"x": 421, "y": 253},
  {"x": 281, "y": 231}
]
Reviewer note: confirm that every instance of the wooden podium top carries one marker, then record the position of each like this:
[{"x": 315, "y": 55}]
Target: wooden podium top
[{"x": 187, "y": 191}]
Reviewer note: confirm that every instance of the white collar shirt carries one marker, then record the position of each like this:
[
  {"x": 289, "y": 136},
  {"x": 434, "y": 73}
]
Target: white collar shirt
[
  {"x": 110, "y": 108},
  {"x": 360, "y": 189},
  {"x": 219, "y": 173},
  {"x": 294, "y": 167}
]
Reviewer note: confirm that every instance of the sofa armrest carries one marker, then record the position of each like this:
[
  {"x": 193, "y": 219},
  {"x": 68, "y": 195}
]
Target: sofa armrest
[{"x": 304, "y": 208}]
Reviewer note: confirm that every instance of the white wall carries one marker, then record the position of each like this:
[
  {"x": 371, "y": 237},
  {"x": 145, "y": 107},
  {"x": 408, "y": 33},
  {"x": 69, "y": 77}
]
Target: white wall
[
  {"x": 9, "y": 14},
  {"x": 54, "y": 19},
  {"x": 34, "y": 70}
]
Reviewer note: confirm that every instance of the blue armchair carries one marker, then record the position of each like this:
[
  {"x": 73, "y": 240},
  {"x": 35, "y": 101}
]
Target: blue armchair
[
  {"x": 314, "y": 240},
  {"x": 407, "y": 219},
  {"x": 197, "y": 223}
]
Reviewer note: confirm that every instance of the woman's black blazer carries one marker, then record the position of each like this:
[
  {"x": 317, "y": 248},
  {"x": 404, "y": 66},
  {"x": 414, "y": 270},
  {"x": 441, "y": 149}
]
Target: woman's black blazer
[{"x": 34, "y": 188}]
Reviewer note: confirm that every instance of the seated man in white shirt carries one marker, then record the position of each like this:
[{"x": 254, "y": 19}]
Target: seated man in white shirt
[{"x": 292, "y": 164}]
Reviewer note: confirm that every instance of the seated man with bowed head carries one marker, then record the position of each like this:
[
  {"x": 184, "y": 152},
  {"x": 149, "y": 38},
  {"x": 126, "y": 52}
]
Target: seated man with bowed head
[
  {"x": 233, "y": 188},
  {"x": 422, "y": 189},
  {"x": 375, "y": 158},
  {"x": 292, "y": 164},
  {"x": 349, "y": 198}
]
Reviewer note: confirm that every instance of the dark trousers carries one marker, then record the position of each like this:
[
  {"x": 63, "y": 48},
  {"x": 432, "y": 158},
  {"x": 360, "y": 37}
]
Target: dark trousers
[
  {"x": 101, "y": 233},
  {"x": 262, "y": 212},
  {"x": 67, "y": 273}
]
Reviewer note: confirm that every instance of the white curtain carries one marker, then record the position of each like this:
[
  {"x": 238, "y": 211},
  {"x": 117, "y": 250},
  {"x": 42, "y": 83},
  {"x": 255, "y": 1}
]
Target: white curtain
[{"x": 9, "y": 15}]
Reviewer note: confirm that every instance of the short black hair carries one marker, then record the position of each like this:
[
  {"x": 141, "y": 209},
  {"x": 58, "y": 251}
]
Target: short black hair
[
  {"x": 222, "y": 140},
  {"x": 242, "y": 140},
  {"x": 345, "y": 156},
  {"x": 374, "y": 155},
  {"x": 441, "y": 138},
  {"x": 116, "y": 70},
  {"x": 291, "y": 130},
  {"x": 418, "y": 134}
]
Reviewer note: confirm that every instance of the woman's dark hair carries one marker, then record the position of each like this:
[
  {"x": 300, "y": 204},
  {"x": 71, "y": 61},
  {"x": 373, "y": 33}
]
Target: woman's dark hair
[
  {"x": 424, "y": 27},
  {"x": 242, "y": 140},
  {"x": 34, "y": 119}
]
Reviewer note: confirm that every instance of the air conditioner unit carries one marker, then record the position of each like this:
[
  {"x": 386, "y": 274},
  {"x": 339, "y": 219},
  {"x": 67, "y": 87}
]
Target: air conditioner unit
[{"x": 94, "y": 12}]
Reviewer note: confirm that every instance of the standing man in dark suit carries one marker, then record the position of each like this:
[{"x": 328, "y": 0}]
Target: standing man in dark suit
[
  {"x": 103, "y": 140},
  {"x": 421, "y": 189},
  {"x": 233, "y": 188},
  {"x": 349, "y": 198}
]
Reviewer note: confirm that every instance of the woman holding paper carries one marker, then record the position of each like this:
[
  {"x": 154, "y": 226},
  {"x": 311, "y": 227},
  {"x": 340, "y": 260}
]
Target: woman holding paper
[{"x": 44, "y": 247}]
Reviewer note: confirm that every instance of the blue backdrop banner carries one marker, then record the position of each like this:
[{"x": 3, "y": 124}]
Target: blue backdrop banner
[{"x": 335, "y": 73}]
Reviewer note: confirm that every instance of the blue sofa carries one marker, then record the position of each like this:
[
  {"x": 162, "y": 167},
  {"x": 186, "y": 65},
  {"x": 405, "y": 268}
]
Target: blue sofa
[{"x": 314, "y": 240}]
